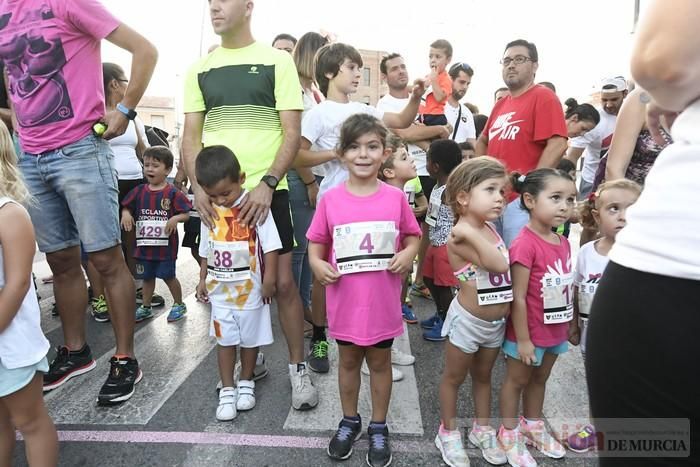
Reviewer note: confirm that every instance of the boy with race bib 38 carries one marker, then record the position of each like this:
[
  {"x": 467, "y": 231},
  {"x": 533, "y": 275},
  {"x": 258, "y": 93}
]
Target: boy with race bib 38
[
  {"x": 475, "y": 322},
  {"x": 154, "y": 209},
  {"x": 541, "y": 321},
  {"x": 238, "y": 277},
  {"x": 360, "y": 254}
]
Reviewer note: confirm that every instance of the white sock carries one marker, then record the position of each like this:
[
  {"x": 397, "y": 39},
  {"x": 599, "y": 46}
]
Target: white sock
[{"x": 530, "y": 423}]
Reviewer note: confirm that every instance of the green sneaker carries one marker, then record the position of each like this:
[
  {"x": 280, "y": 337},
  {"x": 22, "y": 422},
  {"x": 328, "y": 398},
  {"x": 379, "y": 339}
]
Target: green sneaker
[
  {"x": 143, "y": 312},
  {"x": 100, "y": 310},
  {"x": 318, "y": 357},
  {"x": 177, "y": 312}
]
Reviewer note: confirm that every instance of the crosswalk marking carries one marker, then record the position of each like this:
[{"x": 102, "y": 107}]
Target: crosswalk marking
[
  {"x": 404, "y": 409},
  {"x": 169, "y": 351}
]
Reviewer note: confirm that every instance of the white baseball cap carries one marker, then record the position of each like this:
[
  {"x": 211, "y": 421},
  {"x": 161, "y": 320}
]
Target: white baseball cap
[{"x": 615, "y": 84}]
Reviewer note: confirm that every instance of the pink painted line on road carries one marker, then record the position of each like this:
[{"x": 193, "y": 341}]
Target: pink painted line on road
[{"x": 229, "y": 439}]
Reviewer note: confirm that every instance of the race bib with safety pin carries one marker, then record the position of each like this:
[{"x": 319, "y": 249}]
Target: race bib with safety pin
[
  {"x": 433, "y": 208},
  {"x": 151, "y": 233},
  {"x": 228, "y": 261},
  {"x": 557, "y": 293},
  {"x": 493, "y": 288},
  {"x": 364, "y": 246},
  {"x": 586, "y": 292}
]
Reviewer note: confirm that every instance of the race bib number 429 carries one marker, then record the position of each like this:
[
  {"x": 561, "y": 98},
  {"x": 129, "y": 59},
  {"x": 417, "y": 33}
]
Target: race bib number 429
[
  {"x": 364, "y": 246},
  {"x": 151, "y": 233}
]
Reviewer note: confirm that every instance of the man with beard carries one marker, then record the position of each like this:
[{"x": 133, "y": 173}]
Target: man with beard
[
  {"x": 526, "y": 129},
  {"x": 458, "y": 115}
]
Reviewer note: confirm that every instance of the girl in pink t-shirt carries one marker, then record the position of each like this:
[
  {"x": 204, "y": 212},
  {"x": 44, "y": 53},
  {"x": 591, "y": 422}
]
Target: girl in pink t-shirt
[
  {"x": 362, "y": 240},
  {"x": 538, "y": 327}
]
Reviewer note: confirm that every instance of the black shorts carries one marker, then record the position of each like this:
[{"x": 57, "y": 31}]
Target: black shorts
[
  {"x": 385, "y": 344},
  {"x": 640, "y": 356},
  {"x": 192, "y": 231},
  {"x": 283, "y": 219},
  {"x": 434, "y": 120}
]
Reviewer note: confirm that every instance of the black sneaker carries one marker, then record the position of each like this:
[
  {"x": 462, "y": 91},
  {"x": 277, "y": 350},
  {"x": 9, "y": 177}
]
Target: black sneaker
[
  {"x": 340, "y": 447},
  {"x": 379, "y": 454},
  {"x": 318, "y": 357},
  {"x": 156, "y": 300},
  {"x": 124, "y": 373},
  {"x": 66, "y": 365}
]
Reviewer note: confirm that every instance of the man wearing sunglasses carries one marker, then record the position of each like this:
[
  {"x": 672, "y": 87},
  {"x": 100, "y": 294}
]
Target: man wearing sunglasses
[{"x": 526, "y": 129}]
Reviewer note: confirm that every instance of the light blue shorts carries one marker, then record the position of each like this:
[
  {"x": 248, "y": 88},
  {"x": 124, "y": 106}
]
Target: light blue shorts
[
  {"x": 75, "y": 194},
  {"x": 510, "y": 348},
  {"x": 13, "y": 380}
]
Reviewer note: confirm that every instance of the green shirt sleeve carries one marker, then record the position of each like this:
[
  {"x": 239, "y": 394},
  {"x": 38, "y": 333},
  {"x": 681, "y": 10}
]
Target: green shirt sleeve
[
  {"x": 193, "y": 99},
  {"x": 287, "y": 95}
]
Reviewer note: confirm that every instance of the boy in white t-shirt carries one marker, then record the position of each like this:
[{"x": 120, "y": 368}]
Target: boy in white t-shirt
[
  {"x": 238, "y": 271},
  {"x": 338, "y": 73}
]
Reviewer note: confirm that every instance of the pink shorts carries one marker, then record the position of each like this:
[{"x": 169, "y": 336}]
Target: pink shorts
[{"x": 437, "y": 267}]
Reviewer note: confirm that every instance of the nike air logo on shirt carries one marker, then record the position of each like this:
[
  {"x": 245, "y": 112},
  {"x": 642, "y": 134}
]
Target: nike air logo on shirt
[{"x": 504, "y": 128}]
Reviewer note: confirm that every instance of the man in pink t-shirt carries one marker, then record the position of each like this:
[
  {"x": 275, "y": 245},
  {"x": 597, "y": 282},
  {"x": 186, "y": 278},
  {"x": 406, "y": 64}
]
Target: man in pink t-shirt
[
  {"x": 526, "y": 129},
  {"x": 51, "y": 55}
]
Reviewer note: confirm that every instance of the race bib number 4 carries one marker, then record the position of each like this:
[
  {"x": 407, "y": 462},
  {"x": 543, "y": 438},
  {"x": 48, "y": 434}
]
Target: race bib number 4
[
  {"x": 151, "y": 233},
  {"x": 364, "y": 246},
  {"x": 228, "y": 261},
  {"x": 557, "y": 296},
  {"x": 493, "y": 288}
]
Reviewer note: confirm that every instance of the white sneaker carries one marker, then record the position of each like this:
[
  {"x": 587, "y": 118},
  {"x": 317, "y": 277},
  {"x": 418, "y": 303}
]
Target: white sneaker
[
  {"x": 485, "y": 439},
  {"x": 246, "y": 395},
  {"x": 259, "y": 372},
  {"x": 452, "y": 449},
  {"x": 400, "y": 358},
  {"x": 226, "y": 411},
  {"x": 304, "y": 394},
  {"x": 396, "y": 375},
  {"x": 536, "y": 435}
]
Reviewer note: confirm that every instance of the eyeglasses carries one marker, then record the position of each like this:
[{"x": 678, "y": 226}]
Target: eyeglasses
[
  {"x": 461, "y": 66},
  {"x": 518, "y": 60}
]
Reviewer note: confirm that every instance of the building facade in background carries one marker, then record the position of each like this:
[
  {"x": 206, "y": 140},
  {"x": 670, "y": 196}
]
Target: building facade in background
[{"x": 371, "y": 87}]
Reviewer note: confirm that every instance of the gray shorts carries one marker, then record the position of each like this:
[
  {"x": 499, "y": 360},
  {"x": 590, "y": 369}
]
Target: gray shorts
[{"x": 468, "y": 333}]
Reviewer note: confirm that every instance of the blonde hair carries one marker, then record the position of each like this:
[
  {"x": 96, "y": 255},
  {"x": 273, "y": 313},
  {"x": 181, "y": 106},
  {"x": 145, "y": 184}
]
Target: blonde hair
[
  {"x": 11, "y": 182},
  {"x": 586, "y": 210},
  {"x": 468, "y": 174}
]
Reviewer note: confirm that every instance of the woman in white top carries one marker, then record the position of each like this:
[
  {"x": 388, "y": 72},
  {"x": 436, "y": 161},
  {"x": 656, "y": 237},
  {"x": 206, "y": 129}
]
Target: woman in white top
[{"x": 642, "y": 351}]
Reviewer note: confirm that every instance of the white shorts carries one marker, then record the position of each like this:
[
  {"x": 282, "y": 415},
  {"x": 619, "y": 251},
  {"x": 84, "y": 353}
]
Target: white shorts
[
  {"x": 468, "y": 333},
  {"x": 246, "y": 328}
]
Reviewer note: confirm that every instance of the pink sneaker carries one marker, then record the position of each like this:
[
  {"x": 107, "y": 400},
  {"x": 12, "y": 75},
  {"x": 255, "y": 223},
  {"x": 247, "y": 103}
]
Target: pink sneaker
[
  {"x": 485, "y": 439},
  {"x": 513, "y": 445},
  {"x": 536, "y": 435}
]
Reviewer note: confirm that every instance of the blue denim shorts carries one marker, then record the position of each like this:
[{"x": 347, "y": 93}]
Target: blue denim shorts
[
  {"x": 146, "y": 269},
  {"x": 75, "y": 195},
  {"x": 510, "y": 348}
]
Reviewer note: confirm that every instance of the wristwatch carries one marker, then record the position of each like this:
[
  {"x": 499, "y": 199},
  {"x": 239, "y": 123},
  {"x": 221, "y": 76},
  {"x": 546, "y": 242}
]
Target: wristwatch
[
  {"x": 130, "y": 113},
  {"x": 270, "y": 180}
]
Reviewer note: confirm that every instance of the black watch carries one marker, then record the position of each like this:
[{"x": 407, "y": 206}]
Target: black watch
[{"x": 271, "y": 181}]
